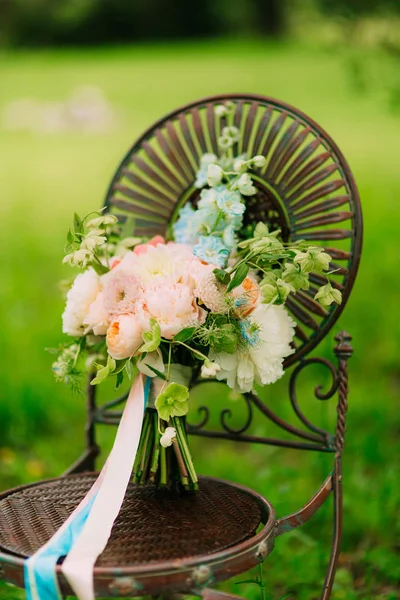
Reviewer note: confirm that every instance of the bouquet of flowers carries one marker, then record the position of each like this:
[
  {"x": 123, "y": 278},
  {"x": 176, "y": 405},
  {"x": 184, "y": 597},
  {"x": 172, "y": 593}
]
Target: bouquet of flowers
[{"x": 206, "y": 301}]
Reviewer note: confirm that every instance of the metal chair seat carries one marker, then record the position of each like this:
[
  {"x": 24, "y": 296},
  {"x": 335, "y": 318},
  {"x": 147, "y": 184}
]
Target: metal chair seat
[{"x": 162, "y": 541}]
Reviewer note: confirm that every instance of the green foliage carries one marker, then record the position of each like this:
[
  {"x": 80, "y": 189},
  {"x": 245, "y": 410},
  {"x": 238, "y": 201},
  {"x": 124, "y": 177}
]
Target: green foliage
[
  {"x": 41, "y": 422},
  {"x": 151, "y": 338}
]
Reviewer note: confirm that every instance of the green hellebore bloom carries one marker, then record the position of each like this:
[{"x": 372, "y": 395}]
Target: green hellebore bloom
[
  {"x": 269, "y": 292},
  {"x": 296, "y": 277},
  {"x": 326, "y": 295},
  {"x": 314, "y": 259},
  {"x": 172, "y": 402}
]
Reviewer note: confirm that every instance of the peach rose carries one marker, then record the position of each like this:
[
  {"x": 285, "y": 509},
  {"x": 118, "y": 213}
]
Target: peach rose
[
  {"x": 247, "y": 296},
  {"x": 124, "y": 337}
]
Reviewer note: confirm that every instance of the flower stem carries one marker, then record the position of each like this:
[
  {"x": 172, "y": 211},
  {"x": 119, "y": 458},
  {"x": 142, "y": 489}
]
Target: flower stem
[{"x": 163, "y": 466}]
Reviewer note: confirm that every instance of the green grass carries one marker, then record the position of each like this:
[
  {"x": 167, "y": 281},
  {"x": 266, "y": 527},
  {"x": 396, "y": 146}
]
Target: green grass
[{"x": 44, "y": 178}]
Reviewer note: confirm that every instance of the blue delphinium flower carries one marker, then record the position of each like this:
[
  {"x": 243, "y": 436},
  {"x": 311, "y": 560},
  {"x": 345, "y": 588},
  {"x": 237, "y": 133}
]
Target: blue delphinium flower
[
  {"x": 228, "y": 236},
  {"x": 202, "y": 173},
  {"x": 182, "y": 227},
  {"x": 207, "y": 199},
  {"x": 249, "y": 331},
  {"x": 211, "y": 250},
  {"x": 230, "y": 202}
]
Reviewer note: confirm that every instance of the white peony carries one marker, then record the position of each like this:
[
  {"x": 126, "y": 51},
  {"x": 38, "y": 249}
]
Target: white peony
[
  {"x": 82, "y": 294},
  {"x": 263, "y": 362},
  {"x": 97, "y": 318}
]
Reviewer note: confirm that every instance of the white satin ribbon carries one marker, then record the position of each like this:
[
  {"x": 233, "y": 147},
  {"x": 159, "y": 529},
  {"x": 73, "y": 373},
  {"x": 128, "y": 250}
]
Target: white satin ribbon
[{"x": 115, "y": 476}]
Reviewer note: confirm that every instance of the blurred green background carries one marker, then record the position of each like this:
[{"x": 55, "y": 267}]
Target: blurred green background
[{"x": 79, "y": 81}]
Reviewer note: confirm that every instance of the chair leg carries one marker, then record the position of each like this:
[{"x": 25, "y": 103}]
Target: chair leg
[{"x": 337, "y": 528}]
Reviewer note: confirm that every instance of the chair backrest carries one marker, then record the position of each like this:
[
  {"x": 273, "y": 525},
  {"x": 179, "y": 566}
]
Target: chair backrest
[{"x": 306, "y": 190}]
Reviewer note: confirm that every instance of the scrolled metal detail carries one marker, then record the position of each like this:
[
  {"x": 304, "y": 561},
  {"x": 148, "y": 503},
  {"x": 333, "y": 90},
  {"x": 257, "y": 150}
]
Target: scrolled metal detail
[
  {"x": 206, "y": 411},
  {"x": 319, "y": 394},
  {"x": 227, "y": 412}
]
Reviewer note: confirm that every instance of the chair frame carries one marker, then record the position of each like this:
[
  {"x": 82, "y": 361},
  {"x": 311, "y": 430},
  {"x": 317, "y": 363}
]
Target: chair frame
[{"x": 281, "y": 144}]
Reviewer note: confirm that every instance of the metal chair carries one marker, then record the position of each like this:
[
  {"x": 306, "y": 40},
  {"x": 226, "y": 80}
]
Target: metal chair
[{"x": 305, "y": 190}]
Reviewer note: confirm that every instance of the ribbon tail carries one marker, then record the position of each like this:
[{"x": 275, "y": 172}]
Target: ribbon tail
[{"x": 78, "y": 566}]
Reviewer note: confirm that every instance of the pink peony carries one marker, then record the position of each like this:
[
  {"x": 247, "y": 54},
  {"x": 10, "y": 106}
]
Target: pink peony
[
  {"x": 124, "y": 337},
  {"x": 142, "y": 248},
  {"x": 121, "y": 290},
  {"x": 172, "y": 305}
]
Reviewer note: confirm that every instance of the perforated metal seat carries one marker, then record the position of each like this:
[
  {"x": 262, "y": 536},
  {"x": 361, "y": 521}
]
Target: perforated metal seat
[
  {"x": 162, "y": 542},
  {"x": 156, "y": 530}
]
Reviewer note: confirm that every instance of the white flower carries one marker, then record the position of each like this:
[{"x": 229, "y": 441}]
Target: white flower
[
  {"x": 245, "y": 185},
  {"x": 239, "y": 165},
  {"x": 208, "y": 158},
  {"x": 263, "y": 362},
  {"x": 90, "y": 242},
  {"x": 103, "y": 220},
  {"x": 232, "y": 132},
  {"x": 259, "y": 161},
  {"x": 97, "y": 318},
  {"x": 124, "y": 337},
  {"x": 79, "y": 258},
  {"x": 168, "y": 437},
  {"x": 214, "y": 175},
  {"x": 210, "y": 369},
  {"x": 220, "y": 110},
  {"x": 82, "y": 294}
]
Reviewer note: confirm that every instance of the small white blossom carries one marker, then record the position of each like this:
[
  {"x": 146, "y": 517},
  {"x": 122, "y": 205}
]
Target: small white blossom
[
  {"x": 79, "y": 258},
  {"x": 208, "y": 158},
  {"x": 245, "y": 185},
  {"x": 225, "y": 142},
  {"x": 214, "y": 175},
  {"x": 259, "y": 161},
  {"x": 210, "y": 369},
  {"x": 92, "y": 241},
  {"x": 220, "y": 110},
  {"x": 239, "y": 165},
  {"x": 232, "y": 132},
  {"x": 168, "y": 437},
  {"x": 103, "y": 220}
]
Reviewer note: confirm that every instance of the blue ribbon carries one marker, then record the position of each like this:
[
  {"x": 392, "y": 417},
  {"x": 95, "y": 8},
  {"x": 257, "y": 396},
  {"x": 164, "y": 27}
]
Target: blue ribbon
[{"x": 40, "y": 569}]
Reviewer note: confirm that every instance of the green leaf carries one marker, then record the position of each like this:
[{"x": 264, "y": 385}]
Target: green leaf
[
  {"x": 261, "y": 230},
  {"x": 70, "y": 236},
  {"x": 129, "y": 369},
  {"x": 78, "y": 224},
  {"x": 152, "y": 338},
  {"x": 184, "y": 334},
  {"x": 222, "y": 276},
  {"x": 111, "y": 363},
  {"x": 120, "y": 379},
  {"x": 100, "y": 269},
  {"x": 240, "y": 274},
  {"x": 102, "y": 374},
  {"x": 156, "y": 371}
]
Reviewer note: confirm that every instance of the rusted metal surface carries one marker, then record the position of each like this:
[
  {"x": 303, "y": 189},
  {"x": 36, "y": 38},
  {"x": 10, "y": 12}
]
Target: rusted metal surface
[
  {"x": 306, "y": 175},
  {"x": 300, "y": 517},
  {"x": 125, "y": 569}
]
